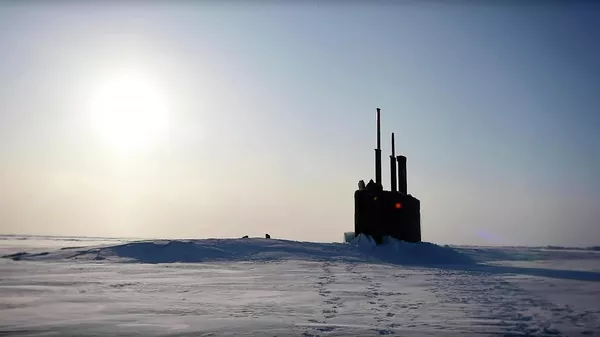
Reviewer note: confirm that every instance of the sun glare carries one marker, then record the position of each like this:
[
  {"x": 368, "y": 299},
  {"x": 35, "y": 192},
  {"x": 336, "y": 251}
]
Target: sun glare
[{"x": 129, "y": 112}]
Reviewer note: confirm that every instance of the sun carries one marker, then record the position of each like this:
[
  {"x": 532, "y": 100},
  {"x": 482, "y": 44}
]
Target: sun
[{"x": 129, "y": 112}]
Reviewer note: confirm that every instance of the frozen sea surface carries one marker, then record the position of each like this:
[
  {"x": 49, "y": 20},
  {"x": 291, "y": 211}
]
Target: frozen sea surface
[{"x": 258, "y": 287}]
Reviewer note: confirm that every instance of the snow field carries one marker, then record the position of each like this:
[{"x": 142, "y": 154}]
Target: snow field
[{"x": 258, "y": 287}]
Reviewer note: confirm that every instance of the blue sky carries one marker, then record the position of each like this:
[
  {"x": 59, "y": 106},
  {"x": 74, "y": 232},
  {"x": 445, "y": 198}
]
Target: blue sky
[{"x": 272, "y": 118}]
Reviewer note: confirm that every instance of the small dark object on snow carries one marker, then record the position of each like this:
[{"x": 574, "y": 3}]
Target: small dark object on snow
[
  {"x": 267, "y": 236},
  {"x": 245, "y": 237}
]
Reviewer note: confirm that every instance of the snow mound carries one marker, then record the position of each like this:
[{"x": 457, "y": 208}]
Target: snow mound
[
  {"x": 360, "y": 249},
  {"x": 402, "y": 252}
]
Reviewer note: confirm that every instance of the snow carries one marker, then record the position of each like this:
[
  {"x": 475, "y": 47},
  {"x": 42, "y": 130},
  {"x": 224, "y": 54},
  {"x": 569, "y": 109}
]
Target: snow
[{"x": 270, "y": 287}]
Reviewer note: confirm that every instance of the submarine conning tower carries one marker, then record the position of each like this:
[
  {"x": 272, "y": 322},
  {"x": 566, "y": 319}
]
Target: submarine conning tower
[{"x": 380, "y": 213}]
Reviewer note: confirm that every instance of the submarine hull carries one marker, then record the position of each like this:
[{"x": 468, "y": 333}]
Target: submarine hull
[
  {"x": 379, "y": 213},
  {"x": 387, "y": 213}
]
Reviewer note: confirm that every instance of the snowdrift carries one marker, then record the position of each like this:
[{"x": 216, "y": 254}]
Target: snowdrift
[{"x": 360, "y": 249}]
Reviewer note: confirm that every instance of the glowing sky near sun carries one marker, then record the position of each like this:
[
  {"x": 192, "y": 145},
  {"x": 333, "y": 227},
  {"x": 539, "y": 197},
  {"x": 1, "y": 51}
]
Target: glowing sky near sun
[{"x": 259, "y": 118}]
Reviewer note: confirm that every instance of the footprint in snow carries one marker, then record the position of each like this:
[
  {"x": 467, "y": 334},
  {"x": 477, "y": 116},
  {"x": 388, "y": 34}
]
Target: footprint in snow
[{"x": 385, "y": 332}]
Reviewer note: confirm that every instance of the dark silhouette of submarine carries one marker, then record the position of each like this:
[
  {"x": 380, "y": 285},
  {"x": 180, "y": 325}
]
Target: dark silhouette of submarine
[{"x": 379, "y": 213}]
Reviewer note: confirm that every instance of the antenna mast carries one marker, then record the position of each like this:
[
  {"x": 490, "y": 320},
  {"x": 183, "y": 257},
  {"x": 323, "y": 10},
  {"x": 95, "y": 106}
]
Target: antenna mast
[
  {"x": 393, "y": 166},
  {"x": 378, "y": 152}
]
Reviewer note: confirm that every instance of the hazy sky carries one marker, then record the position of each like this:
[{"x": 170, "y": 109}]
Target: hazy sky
[{"x": 264, "y": 118}]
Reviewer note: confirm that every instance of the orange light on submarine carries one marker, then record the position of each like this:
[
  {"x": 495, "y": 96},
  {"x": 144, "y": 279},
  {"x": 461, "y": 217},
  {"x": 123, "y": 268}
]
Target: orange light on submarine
[{"x": 398, "y": 205}]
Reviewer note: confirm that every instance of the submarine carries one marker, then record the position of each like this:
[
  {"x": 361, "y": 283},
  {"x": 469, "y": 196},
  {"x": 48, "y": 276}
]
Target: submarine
[{"x": 379, "y": 213}]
